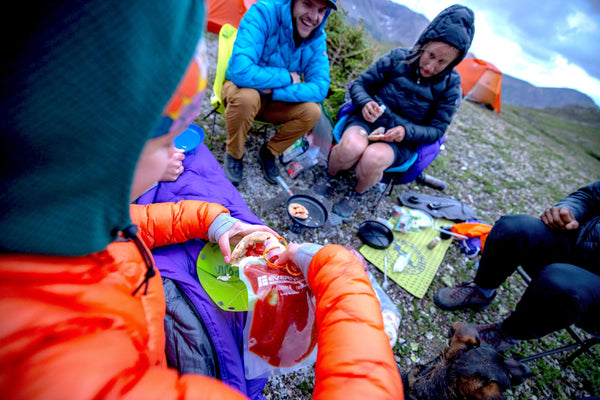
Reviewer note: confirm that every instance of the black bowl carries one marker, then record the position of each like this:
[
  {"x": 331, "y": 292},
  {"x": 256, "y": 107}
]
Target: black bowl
[{"x": 375, "y": 234}]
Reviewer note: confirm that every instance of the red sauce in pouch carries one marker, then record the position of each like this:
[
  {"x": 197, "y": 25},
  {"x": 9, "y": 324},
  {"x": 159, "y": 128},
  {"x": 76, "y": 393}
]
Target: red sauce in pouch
[{"x": 283, "y": 330}]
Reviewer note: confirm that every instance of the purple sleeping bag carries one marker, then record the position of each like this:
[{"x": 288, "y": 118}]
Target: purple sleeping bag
[{"x": 201, "y": 338}]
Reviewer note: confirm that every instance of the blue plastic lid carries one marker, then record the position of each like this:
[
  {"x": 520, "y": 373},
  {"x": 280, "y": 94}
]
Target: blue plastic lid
[{"x": 190, "y": 138}]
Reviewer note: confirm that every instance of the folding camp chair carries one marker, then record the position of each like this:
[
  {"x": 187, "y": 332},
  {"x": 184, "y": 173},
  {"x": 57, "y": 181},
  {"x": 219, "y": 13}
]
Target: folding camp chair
[
  {"x": 581, "y": 344},
  {"x": 227, "y": 35},
  {"x": 401, "y": 174}
]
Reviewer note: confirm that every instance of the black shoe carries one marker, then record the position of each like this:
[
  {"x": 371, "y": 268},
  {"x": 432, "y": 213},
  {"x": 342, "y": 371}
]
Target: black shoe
[
  {"x": 493, "y": 336},
  {"x": 267, "y": 162},
  {"x": 234, "y": 169}
]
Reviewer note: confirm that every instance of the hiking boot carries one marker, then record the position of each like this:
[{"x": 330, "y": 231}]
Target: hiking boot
[
  {"x": 493, "y": 336},
  {"x": 347, "y": 205},
  {"x": 267, "y": 162},
  {"x": 234, "y": 169},
  {"x": 465, "y": 295}
]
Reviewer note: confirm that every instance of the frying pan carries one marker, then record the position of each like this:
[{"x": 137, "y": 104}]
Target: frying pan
[{"x": 317, "y": 213}]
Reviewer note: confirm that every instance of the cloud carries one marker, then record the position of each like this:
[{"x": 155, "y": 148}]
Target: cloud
[
  {"x": 548, "y": 29},
  {"x": 547, "y": 43}
]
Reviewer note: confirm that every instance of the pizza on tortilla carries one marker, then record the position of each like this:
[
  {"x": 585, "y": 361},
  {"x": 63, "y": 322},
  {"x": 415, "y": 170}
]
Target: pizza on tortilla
[
  {"x": 254, "y": 245},
  {"x": 377, "y": 133},
  {"x": 297, "y": 210}
]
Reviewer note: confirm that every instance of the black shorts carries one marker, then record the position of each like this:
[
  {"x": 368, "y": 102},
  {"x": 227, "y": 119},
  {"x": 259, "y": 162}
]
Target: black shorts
[{"x": 402, "y": 151}]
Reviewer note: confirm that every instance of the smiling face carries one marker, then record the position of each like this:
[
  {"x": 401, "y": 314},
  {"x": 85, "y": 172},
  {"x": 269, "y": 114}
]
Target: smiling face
[
  {"x": 307, "y": 16},
  {"x": 435, "y": 58}
]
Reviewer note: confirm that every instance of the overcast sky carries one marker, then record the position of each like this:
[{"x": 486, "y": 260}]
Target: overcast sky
[{"x": 547, "y": 43}]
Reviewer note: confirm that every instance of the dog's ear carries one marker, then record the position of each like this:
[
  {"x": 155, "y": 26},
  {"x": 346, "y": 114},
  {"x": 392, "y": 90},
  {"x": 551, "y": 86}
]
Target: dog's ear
[
  {"x": 464, "y": 337},
  {"x": 517, "y": 371}
]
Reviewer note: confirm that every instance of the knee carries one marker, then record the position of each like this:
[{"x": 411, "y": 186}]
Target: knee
[
  {"x": 514, "y": 226},
  {"x": 350, "y": 148},
  {"x": 310, "y": 112},
  {"x": 245, "y": 100},
  {"x": 373, "y": 160}
]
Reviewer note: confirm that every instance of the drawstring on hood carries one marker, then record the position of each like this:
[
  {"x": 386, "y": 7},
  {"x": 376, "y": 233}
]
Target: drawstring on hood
[{"x": 130, "y": 232}]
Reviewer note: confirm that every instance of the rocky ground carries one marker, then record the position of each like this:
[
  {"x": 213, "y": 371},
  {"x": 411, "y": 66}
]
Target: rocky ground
[{"x": 497, "y": 165}]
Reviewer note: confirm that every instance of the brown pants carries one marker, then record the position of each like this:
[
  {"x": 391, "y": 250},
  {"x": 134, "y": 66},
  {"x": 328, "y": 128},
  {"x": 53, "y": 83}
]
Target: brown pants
[{"x": 244, "y": 105}]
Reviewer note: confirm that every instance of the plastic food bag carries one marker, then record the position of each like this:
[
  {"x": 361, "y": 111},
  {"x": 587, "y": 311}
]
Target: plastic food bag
[
  {"x": 391, "y": 315},
  {"x": 280, "y": 335}
]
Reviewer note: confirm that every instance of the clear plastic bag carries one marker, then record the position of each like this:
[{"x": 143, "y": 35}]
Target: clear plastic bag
[
  {"x": 280, "y": 335},
  {"x": 389, "y": 311}
]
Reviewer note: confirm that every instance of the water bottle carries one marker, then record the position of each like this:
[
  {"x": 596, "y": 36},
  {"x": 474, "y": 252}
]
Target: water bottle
[
  {"x": 432, "y": 182},
  {"x": 299, "y": 147}
]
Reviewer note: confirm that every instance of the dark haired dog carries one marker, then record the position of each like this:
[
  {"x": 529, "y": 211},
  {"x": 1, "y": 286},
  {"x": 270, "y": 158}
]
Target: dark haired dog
[{"x": 464, "y": 371}]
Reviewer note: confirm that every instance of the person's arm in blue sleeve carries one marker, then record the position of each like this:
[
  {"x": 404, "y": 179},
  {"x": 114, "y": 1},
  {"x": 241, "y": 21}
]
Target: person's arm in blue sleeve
[
  {"x": 243, "y": 69},
  {"x": 316, "y": 80}
]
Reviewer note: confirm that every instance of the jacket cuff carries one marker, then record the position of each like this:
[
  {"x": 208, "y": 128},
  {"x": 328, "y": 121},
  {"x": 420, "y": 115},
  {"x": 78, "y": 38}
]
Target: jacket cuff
[
  {"x": 304, "y": 256},
  {"x": 220, "y": 225}
]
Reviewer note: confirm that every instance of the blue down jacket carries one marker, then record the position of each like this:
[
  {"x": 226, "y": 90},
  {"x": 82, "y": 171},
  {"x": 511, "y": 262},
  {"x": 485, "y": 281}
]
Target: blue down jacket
[
  {"x": 424, "y": 107},
  {"x": 200, "y": 337},
  {"x": 585, "y": 205},
  {"x": 264, "y": 54}
]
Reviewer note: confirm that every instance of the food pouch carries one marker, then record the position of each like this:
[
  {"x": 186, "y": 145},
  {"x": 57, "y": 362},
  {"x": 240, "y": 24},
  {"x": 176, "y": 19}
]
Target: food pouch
[{"x": 280, "y": 335}]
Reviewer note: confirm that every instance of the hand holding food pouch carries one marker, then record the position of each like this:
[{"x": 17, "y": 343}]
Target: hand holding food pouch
[{"x": 280, "y": 335}]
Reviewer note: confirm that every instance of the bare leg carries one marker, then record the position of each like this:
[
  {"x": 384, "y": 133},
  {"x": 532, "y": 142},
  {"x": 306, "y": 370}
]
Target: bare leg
[
  {"x": 348, "y": 151},
  {"x": 374, "y": 160}
]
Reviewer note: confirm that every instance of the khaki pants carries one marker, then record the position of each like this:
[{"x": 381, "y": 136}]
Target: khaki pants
[{"x": 244, "y": 105}]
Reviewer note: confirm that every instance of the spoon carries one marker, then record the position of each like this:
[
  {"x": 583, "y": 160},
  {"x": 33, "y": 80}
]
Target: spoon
[{"x": 386, "y": 285}]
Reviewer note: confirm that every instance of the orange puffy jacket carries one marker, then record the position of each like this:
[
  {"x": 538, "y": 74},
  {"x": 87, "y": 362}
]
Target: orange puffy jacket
[{"x": 70, "y": 327}]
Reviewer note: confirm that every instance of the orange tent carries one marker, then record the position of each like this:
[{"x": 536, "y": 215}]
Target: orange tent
[
  {"x": 481, "y": 82},
  {"x": 221, "y": 12}
]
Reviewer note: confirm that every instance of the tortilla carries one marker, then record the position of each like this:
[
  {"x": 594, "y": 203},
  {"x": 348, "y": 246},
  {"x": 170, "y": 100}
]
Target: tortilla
[
  {"x": 248, "y": 241},
  {"x": 377, "y": 133},
  {"x": 298, "y": 211}
]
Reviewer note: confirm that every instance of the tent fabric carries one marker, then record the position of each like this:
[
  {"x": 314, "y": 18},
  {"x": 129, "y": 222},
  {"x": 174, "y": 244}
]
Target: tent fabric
[
  {"x": 221, "y": 12},
  {"x": 481, "y": 82}
]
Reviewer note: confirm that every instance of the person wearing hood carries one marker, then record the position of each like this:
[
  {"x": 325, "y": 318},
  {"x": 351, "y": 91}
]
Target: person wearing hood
[
  {"x": 93, "y": 94},
  {"x": 412, "y": 94},
  {"x": 278, "y": 73}
]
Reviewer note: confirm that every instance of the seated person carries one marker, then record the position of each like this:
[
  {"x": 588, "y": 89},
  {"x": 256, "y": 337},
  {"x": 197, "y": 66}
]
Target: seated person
[
  {"x": 560, "y": 251},
  {"x": 278, "y": 73},
  {"x": 83, "y": 309},
  {"x": 420, "y": 91}
]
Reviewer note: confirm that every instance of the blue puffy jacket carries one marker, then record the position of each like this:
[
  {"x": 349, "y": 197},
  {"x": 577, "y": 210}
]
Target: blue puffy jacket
[
  {"x": 424, "y": 107},
  {"x": 264, "y": 54}
]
